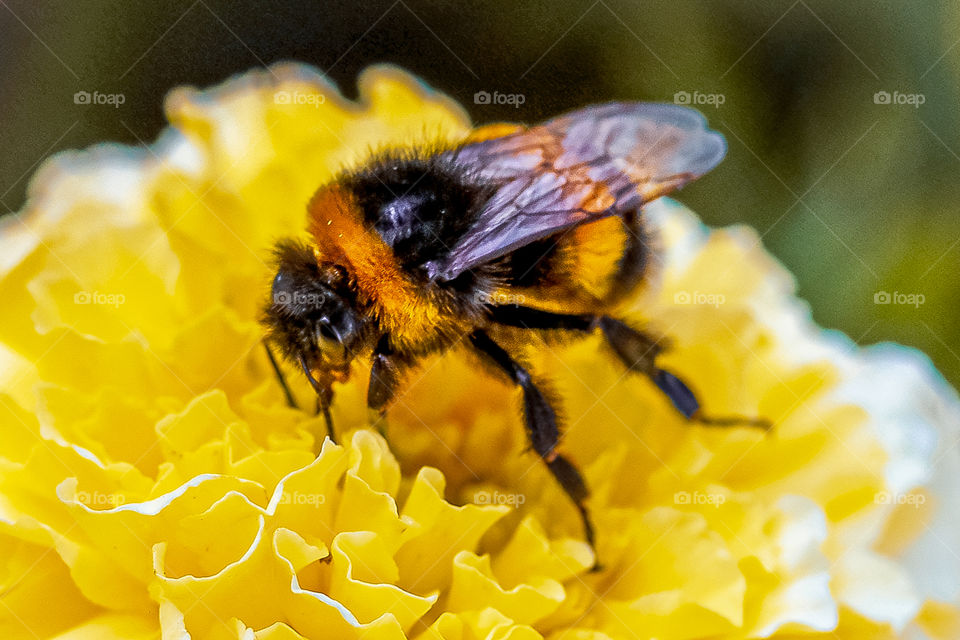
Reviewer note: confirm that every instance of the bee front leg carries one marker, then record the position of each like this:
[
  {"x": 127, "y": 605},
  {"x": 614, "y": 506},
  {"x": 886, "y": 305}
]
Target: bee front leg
[
  {"x": 541, "y": 421},
  {"x": 386, "y": 375},
  {"x": 324, "y": 397}
]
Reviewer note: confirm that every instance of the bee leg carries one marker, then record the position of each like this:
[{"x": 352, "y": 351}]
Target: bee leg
[
  {"x": 639, "y": 352},
  {"x": 635, "y": 349},
  {"x": 542, "y": 429},
  {"x": 324, "y": 398},
  {"x": 385, "y": 377},
  {"x": 529, "y": 318},
  {"x": 291, "y": 402}
]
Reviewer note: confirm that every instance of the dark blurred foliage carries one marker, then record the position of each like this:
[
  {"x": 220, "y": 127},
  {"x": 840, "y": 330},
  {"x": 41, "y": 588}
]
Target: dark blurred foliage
[{"x": 854, "y": 196}]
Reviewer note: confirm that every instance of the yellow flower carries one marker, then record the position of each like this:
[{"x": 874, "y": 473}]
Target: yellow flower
[{"x": 152, "y": 480}]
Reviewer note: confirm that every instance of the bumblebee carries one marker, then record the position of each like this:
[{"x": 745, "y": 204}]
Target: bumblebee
[{"x": 422, "y": 249}]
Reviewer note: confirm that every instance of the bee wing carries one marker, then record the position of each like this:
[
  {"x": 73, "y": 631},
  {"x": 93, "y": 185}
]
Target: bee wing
[{"x": 586, "y": 165}]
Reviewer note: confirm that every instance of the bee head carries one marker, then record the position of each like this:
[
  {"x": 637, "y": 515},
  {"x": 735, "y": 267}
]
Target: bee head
[{"x": 311, "y": 313}]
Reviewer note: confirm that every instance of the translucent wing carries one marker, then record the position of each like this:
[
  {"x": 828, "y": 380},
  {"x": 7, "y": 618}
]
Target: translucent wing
[{"x": 586, "y": 165}]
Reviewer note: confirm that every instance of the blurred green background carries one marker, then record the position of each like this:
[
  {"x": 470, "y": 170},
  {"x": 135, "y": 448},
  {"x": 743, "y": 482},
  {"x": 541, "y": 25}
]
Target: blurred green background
[{"x": 841, "y": 117}]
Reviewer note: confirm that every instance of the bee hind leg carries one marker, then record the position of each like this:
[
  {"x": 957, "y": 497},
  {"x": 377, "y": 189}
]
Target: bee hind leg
[
  {"x": 639, "y": 351},
  {"x": 635, "y": 349},
  {"x": 541, "y": 422}
]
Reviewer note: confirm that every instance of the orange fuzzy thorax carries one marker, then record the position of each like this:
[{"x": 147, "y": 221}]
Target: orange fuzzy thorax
[{"x": 401, "y": 306}]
